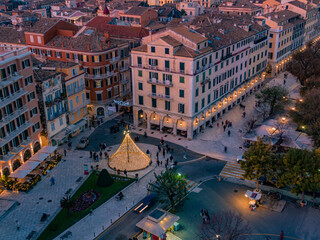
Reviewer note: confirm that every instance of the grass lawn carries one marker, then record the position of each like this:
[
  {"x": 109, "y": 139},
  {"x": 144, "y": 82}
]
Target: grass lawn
[{"x": 61, "y": 222}]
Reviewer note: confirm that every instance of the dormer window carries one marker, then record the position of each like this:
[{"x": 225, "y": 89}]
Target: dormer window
[{"x": 198, "y": 46}]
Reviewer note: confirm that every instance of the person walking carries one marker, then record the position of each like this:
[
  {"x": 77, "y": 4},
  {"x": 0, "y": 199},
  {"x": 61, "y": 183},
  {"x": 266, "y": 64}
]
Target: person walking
[
  {"x": 52, "y": 181},
  {"x": 224, "y": 127},
  {"x": 90, "y": 154},
  {"x": 163, "y": 152},
  {"x": 184, "y": 155},
  {"x": 229, "y": 132},
  {"x": 125, "y": 172},
  {"x": 17, "y": 224},
  {"x": 217, "y": 124},
  {"x": 65, "y": 152},
  {"x": 281, "y": 235}
]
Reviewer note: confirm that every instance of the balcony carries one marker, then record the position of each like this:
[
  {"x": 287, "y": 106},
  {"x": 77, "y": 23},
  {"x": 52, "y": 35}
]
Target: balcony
[
  {"x": 124, "y": 81},
  {"x": 56, "y": 114},
  {"x": 77, "y": 108},
  {"x": 162, "y": 83},
  {"x": 228, "y": 55},
  {"x": 114, "y": 59},
  {"x": 16, "y": 150},
  {"x": 100, "y": 76},
  {"x": 205, "y": 81},
  {"x": 260, "y": 40},
  {"x": 15, "y": 133},
  {"x": 125, "y": 93},
  {"x": 10, "y": 79},
  {"x": 74, "y": 91},
  {"x": 13, "y": 115},
  {"x": 7, "y": 157},
  {"x": 55, "y": 101},
  {"x": 12, "y": 97},
  {"x": 124, "y": 68},
  {"x": 26, "y": 142},
  {"x": 153, "y": 67},
  {"x": 160, "y": 96}
]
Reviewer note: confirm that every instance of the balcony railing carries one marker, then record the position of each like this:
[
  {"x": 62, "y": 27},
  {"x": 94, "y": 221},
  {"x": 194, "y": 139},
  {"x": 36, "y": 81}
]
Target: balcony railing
[
  {"x": 74, "y": 91},
  {"x": 15, "y": 133},
  {"x": 260, "y": 40},
  {"x": 10, "y": 78},
  {"x": 12, "y": 97},
  {"x": 77, "y": 108},
  {"x": 6, "y": 157},
  {"x": 56, "y": 114},
  {"x": 124, "y": 68},
  {"x": 228, "y": 55},
  {"x": 153, "y": 67},
  {"x": 100, "y": 76},
  {"x": 124, "y": 81},
  {"x": 13, "y": 115},
  {"x": 159, "y": 95},
  {"x": 157, "y": 82}
]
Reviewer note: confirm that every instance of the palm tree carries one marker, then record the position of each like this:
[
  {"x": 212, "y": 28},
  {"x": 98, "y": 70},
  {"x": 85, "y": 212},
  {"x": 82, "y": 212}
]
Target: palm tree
[{"x": 67, "y": 203}]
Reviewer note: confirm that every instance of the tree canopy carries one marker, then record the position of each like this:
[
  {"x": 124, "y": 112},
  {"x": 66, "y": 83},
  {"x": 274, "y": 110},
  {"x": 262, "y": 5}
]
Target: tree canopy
[
  {"x": 104, "y": 179},
  {"x": 170, "y": 187}
]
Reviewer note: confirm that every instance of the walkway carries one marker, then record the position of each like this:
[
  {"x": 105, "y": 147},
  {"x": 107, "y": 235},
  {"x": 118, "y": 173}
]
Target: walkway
[{"x": 232, "y": 170}]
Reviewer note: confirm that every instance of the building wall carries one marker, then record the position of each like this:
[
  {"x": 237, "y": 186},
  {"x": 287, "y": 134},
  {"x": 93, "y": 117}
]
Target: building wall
[{"x": 14, "y": 150}]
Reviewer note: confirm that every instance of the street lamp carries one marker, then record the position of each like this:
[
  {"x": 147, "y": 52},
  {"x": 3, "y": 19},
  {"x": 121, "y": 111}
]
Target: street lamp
[
  {"x": 218, "y": 236},
  {"x": 283, "y": 119}
]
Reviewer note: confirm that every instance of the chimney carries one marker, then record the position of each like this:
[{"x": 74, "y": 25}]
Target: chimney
[
  {"x": 52, "y": 43},
  {"x": 62, "y": 44},
  {"x": 71, "y": 46},
  {"x": 89, "y": 47}
]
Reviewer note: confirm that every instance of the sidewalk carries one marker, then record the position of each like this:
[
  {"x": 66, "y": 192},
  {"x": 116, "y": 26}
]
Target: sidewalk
[{"x": 211, "y": 141}]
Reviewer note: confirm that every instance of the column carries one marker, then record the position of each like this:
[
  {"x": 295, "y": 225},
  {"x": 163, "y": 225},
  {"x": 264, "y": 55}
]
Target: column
[
  {"x": 175, "y": 128},
  {"x": 161, "y": 124},
  {"x": 148, "y": 122},
  {"x": 135, "y": 118},
  {"x": 190, "y": 132}
]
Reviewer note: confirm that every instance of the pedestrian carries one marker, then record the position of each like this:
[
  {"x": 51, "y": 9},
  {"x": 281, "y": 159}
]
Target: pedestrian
[
  {"x": 184, "y": 155},
  {"x": 65, "y": 152},
  {"x": 145, "y": 134},
  {"x": 106, "y": 155},
  {"x": 161, "y": 163},
  {"x": 171, "y": 158},
  {"x": 217, "y": 124},
  {"x": 97, "y": 158},
  {"x": 284, "y": 82},
  {"x": 163, "y": 152},
  {"x": 159, "y": 148},
  {"x": 158, "y": 162},
  {"x": 17, "y": 224},
  {"x": 125, "y": 173},
  {"x": 52, "y": 181},
  {"x": 90, "y": 154},
  {"x": 166, "y": 166},
  {"x": 167, "y": 161},
  {"x": 226, "y": 123},
  {"x": 225, "y": 149},
  {"x": 157, "y": 155},
  {"x": 100, "y": 154},
  {"x": 281, "y": 235},
  {"x": 91, "y": 211},
  {"x": 229, "y": 133},
  {"x": 222, "y": 123},
  {"x": 224, "y": 127}
]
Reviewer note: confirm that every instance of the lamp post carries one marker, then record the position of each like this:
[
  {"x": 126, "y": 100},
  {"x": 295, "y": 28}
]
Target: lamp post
[{"x": 303, "y": 127}]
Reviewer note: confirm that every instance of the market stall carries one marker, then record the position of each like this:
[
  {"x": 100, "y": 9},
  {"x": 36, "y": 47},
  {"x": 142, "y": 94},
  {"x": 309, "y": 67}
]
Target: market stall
[
  {"x": 157, "y": 223},
  {"x": 254, "y": 198}
]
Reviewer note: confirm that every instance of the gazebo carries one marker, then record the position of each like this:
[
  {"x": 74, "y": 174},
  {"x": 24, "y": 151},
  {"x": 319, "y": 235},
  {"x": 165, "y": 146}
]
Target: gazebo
[{"x": 129, "y": 156}]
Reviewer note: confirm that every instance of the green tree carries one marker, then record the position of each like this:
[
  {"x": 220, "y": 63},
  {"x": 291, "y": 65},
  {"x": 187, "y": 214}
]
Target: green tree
[
  {"x": 301, "y": 171},
  {"x": 170, "y": 187},
  {"x": 260, "y": 161},
  {"x": 183, "y": 12},
  {"x": 67, "y": 203},
  {"x": 274, "y": 98},
  {"x": 307, "y": 113},
  {"x": 104, "y": 179}
]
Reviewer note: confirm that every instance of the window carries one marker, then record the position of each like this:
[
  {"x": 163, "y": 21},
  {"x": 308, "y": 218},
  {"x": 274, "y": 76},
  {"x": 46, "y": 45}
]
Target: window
[
  {"x": 33, "y": 112},
  {"x": 181, "y": 79},
  {"x": 153, "y": 49},
  {"x": 140, "y": 100},
  {"x": 25, "y": 63},
  {"x": 209, "y": 98},
  {"x": 203, "y": 88},
  {"x": 181, "y": 108},
  {"x": 31, "y": 39},
  {"x": 153, "y": 88},
  {"x": 181, "y": 93},
  {"x": 139, "y": 73},
  {"x": 182, "y": 67},
  {"x": 202, "y": 103},
  {"x": 166, "y": 50},
  {"x": 68, "y": 55},
  {"x": 197, "y": 92},
  {"x": 61, "y": 121},
  {"x": 58, "y": 54},
  {"x": 140, "y": 86},
  {"x": 36, "y": 127},
  {"x": 167, "y": 105},
  {"x": 196, "y": 106},
  {"x": 167, "y": 91},
  {"x": 77, "y": 99},
  {"x": 39, "y": 39},
  {"x": 167, "y": 65},
  {"x": 139, "y": 60},
  {"x": 28, "y": 80},
  {"x": 52, "y": 127},
  {"x": 154, "y": 102},
  {"x": 197, "y": 78},
  {"x": 72, "y": 117},
  {"x": 30, "y": 96}
]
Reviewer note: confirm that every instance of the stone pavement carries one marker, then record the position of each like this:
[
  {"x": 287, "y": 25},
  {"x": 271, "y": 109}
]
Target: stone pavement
[{"x": 211, "y": 141}]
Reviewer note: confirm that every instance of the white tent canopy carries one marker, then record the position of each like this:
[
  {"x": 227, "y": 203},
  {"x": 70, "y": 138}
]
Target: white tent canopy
[
  {"x": 39, "y": 157},
  {"x": 157, "y": 226},
  {"x": 29, "y": 165},
  {"x": 19, "y": 173},
  {"x": 47, "y": 149}
]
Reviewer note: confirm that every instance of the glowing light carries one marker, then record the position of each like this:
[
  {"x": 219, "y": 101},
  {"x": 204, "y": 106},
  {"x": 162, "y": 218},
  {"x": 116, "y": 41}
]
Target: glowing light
[
  {"x": 283, "y": 118},
  {"x": 141, "y": 115}
]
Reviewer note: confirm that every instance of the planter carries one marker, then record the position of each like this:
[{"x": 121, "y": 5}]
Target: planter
[{"x": 303, "y": 203}]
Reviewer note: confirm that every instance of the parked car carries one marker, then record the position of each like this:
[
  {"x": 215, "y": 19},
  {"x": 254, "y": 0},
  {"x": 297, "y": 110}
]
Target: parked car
[
  {"x": 84, "y": 141},
  {"x": 240, "y": 159}
]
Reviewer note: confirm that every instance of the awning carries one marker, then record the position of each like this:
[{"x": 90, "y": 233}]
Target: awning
[
  {"x": 39, "y": 157},
  {"x": 253, "y": 195},
  {"x": 19, "y": 173},
  {"x": 29, "y": 165},
  {"x": 76, "y": 126},
  {"x": 47, "y": 149},
  {"x": 158, "y": 222}
]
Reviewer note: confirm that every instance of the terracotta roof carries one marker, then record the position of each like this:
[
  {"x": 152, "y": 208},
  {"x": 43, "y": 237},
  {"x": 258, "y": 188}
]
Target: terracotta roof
[
  {"x": 143, "y": 48},
  {"x": 301, "y": 5},
  {"x": 170, "y": 40},
  {"x": 137, "y": 11},
  {"x": 239, "y": 4},
  {"x": 42, "y": 75},
  {"x": 189, "y": 34},
  {"x": 101, "y": 24},
  {"x": 43, "y": 25},
  {"x": 184, "y": 51},
  {"x": 281, "y": 15},
  {"x": 10, "y": 35},
  {"x": 58, "y": 64}
]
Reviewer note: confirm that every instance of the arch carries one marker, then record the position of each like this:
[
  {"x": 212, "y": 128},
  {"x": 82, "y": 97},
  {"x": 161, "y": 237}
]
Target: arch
[
  {"x": 154, "y": 118},
  {"x": 27, "y": 154},
  {"x": 6, "y": 172},
  {"x": 100, "y": 112},
  {"x": 16, "y": 164},
  {"x": 196, "y": 123},
  {"x": 142, "y": 118},
  {"x": 168, "y": 121},
  {"x": 36, "y": 147}
]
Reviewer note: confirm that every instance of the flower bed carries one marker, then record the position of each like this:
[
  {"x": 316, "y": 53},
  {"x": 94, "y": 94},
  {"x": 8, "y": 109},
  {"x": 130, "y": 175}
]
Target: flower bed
[{"x": 85, "y": 200}]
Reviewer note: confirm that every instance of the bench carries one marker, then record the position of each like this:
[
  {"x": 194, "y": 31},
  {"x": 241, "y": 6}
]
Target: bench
[
  {"x": 69, "y": 191},
  {"x": 30, "y": 235},
  {"x": 66, "y": 235}
]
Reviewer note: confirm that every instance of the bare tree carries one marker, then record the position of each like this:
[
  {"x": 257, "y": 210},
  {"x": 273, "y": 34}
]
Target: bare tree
[{"x": 225, "y": 225}]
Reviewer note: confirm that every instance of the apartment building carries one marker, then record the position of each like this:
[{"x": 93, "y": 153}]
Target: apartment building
[
  {"x": 19, "y": 114},
  {"x": 239, "y": 7},
  {"x": 184, "y": 79},
  {"x": 286, "y": 35},
  {"x": 139, "y": 16},
  {"x": 52, "y": 102},
  {"x": 191, "y": 8}
]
